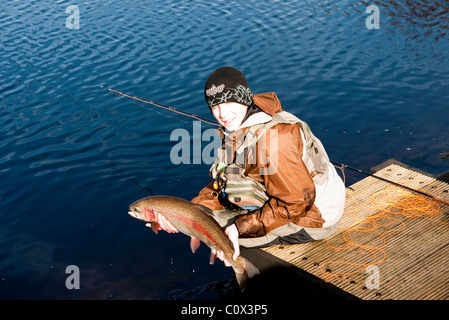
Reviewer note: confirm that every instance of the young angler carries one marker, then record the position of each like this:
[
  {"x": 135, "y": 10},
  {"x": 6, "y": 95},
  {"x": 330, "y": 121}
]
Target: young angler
[{"x": 272, "y": 179}]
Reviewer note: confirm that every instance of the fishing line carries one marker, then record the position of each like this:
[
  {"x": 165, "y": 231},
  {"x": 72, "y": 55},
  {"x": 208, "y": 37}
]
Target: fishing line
[
  {"x": 434, "y": 197},
  {"x": 385, "y": 209},
  {"x": 388, "y": 212},
  {"x": 129, "y": 177}
]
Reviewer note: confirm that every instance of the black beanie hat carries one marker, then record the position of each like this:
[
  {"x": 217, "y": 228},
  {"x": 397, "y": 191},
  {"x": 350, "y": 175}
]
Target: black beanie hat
[{"x": 227, "y": 84}]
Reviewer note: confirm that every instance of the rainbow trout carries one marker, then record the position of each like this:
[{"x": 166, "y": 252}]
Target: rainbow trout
[{"x": 195, "y": 221}]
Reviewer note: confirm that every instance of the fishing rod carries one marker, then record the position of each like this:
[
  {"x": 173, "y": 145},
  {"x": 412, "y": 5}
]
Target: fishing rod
[
  {"x": 166, "y": 107},
  {"x": 435, "y": 198},
  {"x": 343, "y": 166}
]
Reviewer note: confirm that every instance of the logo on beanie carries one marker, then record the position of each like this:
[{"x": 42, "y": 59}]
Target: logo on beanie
[
  {"x": 240, "y": 94},
  {"x": 214, "y": 90}
]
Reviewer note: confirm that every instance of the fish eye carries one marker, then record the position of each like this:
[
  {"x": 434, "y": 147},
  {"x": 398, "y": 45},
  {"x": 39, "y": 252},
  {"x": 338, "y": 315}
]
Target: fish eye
[{"x": 137, "y": 209}]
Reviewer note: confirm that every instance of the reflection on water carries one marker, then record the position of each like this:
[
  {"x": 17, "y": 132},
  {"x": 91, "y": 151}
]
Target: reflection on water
[
  {"x": 417, "y": 19},
  {"x": 414, "y": 19}
]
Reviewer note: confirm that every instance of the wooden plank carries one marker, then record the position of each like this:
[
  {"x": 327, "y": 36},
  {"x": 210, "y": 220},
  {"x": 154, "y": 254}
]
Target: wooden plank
[{"x": 384, "y": 248}]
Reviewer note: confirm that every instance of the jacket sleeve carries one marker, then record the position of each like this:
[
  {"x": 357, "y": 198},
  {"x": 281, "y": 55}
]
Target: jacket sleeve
[
  {"x": 206, "y": 198},
  {"x": 288, "y": 183}
]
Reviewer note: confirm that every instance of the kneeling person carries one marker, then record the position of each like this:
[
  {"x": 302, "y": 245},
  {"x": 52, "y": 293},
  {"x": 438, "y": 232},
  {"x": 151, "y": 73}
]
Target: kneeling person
[{"x": 272, "y": 182}]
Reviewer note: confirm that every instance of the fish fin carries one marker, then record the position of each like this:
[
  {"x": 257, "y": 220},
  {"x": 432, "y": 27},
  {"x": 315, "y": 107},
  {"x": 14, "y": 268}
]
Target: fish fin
[
  {"x": 213, "y": 255},
  {"x": 249, "y": 271},
  {"x": 206, "y": 210},
  {"x": 155, "y": 226},
  {"x": 194, "y": 244}
]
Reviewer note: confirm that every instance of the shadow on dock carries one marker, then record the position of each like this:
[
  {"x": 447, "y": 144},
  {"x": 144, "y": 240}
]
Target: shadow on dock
[{"x": 279, "y": 280}]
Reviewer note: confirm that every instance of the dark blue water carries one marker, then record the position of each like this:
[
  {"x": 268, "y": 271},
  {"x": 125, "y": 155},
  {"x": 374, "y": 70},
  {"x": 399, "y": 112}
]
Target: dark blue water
[{"x": 73, "y": 154}]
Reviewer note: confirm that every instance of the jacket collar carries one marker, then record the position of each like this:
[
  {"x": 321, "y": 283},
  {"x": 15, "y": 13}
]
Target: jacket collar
[
  {"x": 254, "y": 119},
  {"x": 269, "y": 103}
]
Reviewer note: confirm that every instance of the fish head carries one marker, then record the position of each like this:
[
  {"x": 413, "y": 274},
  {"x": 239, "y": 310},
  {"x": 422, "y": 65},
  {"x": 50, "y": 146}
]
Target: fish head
[{"x": 139, "y": 211}]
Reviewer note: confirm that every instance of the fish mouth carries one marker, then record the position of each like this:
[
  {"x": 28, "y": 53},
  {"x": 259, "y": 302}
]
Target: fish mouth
[{"x": 134, "y": 212}]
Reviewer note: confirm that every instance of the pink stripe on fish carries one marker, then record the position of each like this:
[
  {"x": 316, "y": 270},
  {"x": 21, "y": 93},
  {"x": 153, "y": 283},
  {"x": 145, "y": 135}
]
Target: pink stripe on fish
[{"x": 196, "y": 226}]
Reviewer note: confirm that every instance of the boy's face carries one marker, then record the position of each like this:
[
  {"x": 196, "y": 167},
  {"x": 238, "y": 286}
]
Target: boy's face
[{"x": 230, "y": 114}]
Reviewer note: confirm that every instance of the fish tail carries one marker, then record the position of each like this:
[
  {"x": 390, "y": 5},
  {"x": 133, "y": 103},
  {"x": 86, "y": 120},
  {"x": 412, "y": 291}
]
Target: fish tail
[{"x": 249, "y": 271}]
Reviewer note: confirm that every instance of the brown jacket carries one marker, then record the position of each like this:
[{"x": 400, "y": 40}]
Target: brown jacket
[{"x": 290, "y": 188}]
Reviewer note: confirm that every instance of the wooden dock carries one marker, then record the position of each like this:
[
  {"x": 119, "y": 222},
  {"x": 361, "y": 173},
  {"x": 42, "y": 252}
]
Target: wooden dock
[{"x": 391, "y": 243}]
